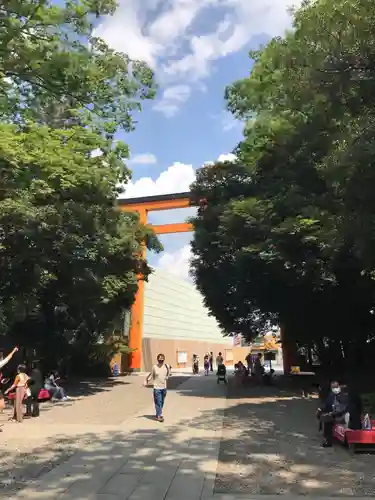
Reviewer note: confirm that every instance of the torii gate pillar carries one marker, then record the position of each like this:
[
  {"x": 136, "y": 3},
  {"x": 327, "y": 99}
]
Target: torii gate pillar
[{"x": 143, "y": 206}]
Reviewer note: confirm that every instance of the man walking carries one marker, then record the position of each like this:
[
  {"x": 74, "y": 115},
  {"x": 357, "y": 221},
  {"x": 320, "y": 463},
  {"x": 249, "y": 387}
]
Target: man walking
[{"x": 159, "y": 375}]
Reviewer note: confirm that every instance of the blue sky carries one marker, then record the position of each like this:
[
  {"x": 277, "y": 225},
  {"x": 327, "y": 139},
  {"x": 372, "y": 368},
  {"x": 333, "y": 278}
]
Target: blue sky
[{"x": 196, "y": 48}]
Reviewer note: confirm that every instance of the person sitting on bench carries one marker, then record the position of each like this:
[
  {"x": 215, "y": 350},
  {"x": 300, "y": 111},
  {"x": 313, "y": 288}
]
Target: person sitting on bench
[
  {"x": 334, "y": 410},
  {"x": 57, "y": 392}
]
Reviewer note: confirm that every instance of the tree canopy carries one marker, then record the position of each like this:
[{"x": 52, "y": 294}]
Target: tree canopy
[
  {"x": 49, "y": 55},
  {"x": 69, "y": 259},
  {"x": 287, "y": 235}
]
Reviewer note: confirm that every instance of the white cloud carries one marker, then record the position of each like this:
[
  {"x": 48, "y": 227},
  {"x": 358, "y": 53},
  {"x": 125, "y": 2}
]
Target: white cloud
[
  {"x": 176, "y": 179},
  {"x": 177, "y": 262},
  {"x": 222, "y": 158},
  {"x": 143, "y": 159},
  {"x": 172, "y": 98},
  {"x": 227, "y": 157},
  {"x": 168, "y": 34}
]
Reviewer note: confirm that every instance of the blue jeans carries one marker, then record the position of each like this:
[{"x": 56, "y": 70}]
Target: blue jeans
[
  {"x": 159, "y": 398},
  {"x": 56, "y": 392}
]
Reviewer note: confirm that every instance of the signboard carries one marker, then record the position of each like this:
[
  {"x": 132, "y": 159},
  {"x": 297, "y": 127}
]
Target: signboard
[
  {"x": 181, "y": 357},
  {"x": 237, "y": 340}
]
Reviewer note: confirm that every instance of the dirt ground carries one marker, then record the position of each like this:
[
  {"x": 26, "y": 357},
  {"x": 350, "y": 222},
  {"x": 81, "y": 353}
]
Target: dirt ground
[
  {"x": 271, "y": 445},
  {"x": 31, "y": 449}
]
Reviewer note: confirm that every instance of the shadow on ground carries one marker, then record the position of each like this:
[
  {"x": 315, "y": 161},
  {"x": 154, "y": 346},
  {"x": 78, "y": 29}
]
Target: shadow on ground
[
  {"x": 87, "y": 387},
  {"x": 269, "y": 445}
]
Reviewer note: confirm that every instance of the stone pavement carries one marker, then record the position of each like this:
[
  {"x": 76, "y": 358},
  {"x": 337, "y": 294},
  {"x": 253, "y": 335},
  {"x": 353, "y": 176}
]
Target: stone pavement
[
  {"x": 141, "y": 459},
  {"x": 270, "y": 446}
]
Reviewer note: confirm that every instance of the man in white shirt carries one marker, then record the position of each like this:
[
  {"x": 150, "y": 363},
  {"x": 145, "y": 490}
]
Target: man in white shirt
[{"x": 159, "y": 375}]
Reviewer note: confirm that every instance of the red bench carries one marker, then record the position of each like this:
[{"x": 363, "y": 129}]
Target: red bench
[
  {"x": 356, "y": 440},
  {"x": 43, "y": 395}
]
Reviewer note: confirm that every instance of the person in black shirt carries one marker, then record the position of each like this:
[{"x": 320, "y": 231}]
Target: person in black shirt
[
  {"x": 334, "y": 409},
  {"x": 35, "y": 385}
]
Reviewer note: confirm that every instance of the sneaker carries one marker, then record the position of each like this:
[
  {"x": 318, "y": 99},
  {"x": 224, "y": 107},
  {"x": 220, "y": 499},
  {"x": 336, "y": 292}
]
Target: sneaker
[{"x": 66, "y": 398}]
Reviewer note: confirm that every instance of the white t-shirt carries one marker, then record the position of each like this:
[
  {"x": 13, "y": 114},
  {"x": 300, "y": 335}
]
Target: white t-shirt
[
  {"x": 160, "y": 375},
  {"x": 219, "y": 360}
]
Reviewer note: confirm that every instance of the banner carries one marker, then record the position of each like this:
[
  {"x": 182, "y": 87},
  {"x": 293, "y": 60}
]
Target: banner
[{"x": 237, "y": 340}]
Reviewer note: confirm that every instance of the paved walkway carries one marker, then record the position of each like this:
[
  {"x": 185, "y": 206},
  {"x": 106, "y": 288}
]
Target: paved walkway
[{"x": 141, "y": 459}]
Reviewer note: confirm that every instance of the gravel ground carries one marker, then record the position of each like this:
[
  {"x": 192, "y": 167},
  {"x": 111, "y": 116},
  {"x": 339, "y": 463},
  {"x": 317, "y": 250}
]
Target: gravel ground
[
  {"x": 36, "y": 446},
  {"x": 270, "y": 445}
]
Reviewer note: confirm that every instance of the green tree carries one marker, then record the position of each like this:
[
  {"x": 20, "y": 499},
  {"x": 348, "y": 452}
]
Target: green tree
[
  {"x": 49, "y": 56},
  {"x": 69, "y": 258},
  {"x": 291, "y": 238}
]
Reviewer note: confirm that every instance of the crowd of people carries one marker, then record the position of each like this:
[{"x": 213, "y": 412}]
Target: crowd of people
[
  {"x": 208, "y": 362},
  {"x": 27, "y": 388}
]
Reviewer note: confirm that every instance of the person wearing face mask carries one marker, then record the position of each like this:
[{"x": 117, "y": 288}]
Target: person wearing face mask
[
  {"x": 335, "y": 407},
  {"x": 159, "y": 376}
]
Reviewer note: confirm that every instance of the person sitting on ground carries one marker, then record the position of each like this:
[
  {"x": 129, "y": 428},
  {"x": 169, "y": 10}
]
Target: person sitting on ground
[
  {"x": 22, "y": 392},
  {"x": 334, "y": 409},
  {"x": 269, "y": 377},
  {"x": 57, "y": 392},
  {"x": 240, "y": 368}
]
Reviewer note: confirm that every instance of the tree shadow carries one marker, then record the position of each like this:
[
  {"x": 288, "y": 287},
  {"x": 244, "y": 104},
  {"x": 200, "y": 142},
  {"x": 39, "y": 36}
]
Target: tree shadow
[
  {"x": 271, "y": 444},
  {"x": 268, "y": 445},
  {"x": 87, "y": 387}
]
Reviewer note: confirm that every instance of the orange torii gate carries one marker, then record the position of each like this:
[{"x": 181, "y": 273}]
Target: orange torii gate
[{"x": 143, "y": 206}]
